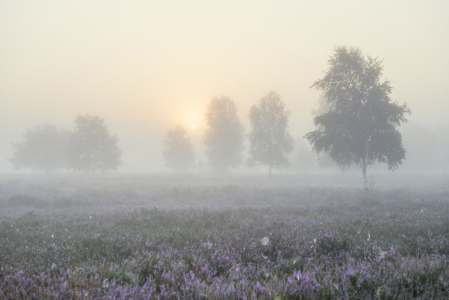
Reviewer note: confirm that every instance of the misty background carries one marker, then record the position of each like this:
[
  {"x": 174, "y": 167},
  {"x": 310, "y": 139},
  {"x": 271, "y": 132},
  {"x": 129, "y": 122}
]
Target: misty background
[{"x": 145, "y": 66}]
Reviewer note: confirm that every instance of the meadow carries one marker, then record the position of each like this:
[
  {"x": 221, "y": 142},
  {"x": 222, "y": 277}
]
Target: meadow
[{"x": 135, "y": 238}]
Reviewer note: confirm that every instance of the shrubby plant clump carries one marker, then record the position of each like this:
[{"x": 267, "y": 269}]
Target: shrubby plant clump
[{"x": 389, "y": 245}]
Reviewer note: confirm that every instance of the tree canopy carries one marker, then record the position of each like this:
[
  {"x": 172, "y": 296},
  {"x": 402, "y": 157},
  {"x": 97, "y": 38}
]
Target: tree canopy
[
  {"x": 360, "y": 123},
  {"x": 270, "y": 140},
  {"x": 178, "y": 150},
  {"x": 91, "y": 147},
  {"x": 44, "y": 149},
  {"x": 224, "y": 134}
]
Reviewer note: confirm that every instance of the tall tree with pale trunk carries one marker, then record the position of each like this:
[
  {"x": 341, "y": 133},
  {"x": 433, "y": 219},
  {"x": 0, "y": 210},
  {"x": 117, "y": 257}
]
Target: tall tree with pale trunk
[{"x": 360, "y": 125}]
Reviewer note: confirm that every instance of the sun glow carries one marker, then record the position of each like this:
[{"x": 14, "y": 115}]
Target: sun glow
[{"x": 193, "y": 126}]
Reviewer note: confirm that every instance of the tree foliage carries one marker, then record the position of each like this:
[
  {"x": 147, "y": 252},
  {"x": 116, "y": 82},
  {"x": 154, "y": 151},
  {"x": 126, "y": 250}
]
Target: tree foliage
[
  {"x": 270, "y": 140},
  {"x": 44, "y": 149},
  {"x": 91, "y": 147},
  {"x": 224, "y": 134},
  {"x": 360, "y": 124},
  {"x": 178, "y": 150}
]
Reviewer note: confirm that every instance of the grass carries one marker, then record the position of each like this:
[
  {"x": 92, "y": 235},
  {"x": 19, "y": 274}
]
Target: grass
[{"x": 223, "y": 242}]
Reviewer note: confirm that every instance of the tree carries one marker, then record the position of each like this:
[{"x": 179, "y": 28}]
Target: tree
[
  {"x": 360, "y": 125},
  {"x": 304, "y": 160},
  {"x": 91, "y": 147},
  {"x": 224, "y": 135},
  {"x": 323, "y": 160},
  {"x": 44, "y": 149},
  {"x": 270, "y": 141},
  {"x": 178, "y": 150},
  {"x": 323, "y": 106}
]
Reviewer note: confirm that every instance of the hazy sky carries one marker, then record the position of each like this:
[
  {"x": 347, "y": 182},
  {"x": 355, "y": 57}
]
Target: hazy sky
[{"x": 145, "y": 66}]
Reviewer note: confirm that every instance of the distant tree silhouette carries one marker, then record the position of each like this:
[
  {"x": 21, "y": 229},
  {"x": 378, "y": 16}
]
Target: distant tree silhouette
[
  {"x": 178, "y": 150},
  {"x": 303, "y": 159},
  {"x": 224, "y": 135},
  {"x": 360, "y": 123},
  {"x": 91, "y": 147},
  {"x": 270, "y": 141},
  {"x": 44, "y": 149}
]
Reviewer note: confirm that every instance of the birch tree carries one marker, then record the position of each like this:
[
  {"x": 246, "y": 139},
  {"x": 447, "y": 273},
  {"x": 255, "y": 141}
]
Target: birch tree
[
  {"x": 270, "y": 140},
  {"x": 224, "y": 135},
  {"x": 360, "y": 125}
]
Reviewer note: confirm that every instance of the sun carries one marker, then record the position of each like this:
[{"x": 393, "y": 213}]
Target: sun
[{"x": 193, "y": 126}]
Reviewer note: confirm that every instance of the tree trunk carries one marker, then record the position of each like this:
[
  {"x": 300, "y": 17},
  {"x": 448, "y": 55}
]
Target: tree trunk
[{"x": 365, "y": 180}]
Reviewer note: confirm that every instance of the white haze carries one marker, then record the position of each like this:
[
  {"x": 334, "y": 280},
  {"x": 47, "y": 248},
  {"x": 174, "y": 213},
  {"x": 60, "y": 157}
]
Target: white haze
[{"x": 145, "y": 66}]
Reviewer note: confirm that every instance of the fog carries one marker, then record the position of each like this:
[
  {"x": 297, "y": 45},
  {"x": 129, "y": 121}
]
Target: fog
[
  {"x": 147, "y": 66},
  {"x": 127, "y": 129}
]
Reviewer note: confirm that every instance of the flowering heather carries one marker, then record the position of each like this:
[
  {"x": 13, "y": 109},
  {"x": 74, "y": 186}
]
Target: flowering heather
[{"x": 310, "y": 243}]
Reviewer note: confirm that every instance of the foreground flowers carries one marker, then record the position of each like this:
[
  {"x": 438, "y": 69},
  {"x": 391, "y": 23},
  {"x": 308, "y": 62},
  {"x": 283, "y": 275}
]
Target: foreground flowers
[{"x": 310, "y": 253}]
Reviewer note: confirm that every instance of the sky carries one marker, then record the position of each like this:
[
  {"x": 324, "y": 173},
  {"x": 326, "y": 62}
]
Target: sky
[{"x": 146, "y": 66}]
